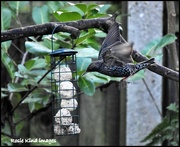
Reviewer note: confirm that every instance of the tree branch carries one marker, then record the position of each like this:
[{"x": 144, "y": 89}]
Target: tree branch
[
  {"x": 73, "y": 27},
  {"x": 35, "y": 30},
  {"x": 156, "y": 68}
]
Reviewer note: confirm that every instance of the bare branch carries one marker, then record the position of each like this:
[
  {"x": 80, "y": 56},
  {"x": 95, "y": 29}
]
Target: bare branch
[
  {"x": 72, "y": 27},
  {"x": 34, "y": 30}
]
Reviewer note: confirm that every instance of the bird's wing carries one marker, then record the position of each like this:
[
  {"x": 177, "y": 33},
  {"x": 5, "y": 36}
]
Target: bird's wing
[
  {"x": 111, "y": 60},
  {"x": 112, "y": 37},
  {"x": 123, "y": 51},
  {"x": 118, "y": 54}
]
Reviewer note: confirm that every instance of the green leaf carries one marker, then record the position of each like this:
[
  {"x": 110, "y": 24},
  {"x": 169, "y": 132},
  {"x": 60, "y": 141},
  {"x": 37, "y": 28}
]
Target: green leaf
[
  {"x": 157, "y": 130},
  {"x": 100, "y": 34},
  {"x": 63, "y": 40},
  {"x": 5, "y": 45},
  {"x": 35, "y": 99},
  {"x": 104, "y": 8},
  {"x": 34, "y": 104},
  {"x": 82, "y": 6},
  {"x": 37, "y": 48},
  {"x": 92, "y": 42},
  {"x": 64, "y": 44},
  {"x": 139, "y": 75},
  {"x": 167, "y": 39},
  {"x": 20, "y": 125},
  {"x": 48, "y": 42},
  {"x": 53, "y": 6},
  {"x": 8, "y": 63},
  {"x": 73, "y": 8},
  {"x": 40, "y": 73},
  {"x": 96, "y": 15},
  {"x": 3, "y": 95},
  {"x": 87, "y": 52},
  {"x": 22, "y": 69},
  {"x": 174, "y": 143},
  {"x": 107, "y": 78},
  {"x": 83, "y": 63},
  {"x": 82, "y": 38},
  {"x": 6, "y": 141},
  {"x": 67, "y": 16},
  {"x": 17, "y": 6},
  {"x": 155, "y": 140},
  {"x": 40, "y": 14},
  {"x": 87, "y": 86},
  {"x": 91, "y": 6},
  {"x": 32, "y": 107},
  {"x": 158, "y": 57},
  {"x": 32, "y": 80},
  {"x": 29, "y": 64},
  {"x": 16, "y": 87},
  {"x": 157, "y": 44},
  {"x": 5, "y": 18},
  {"x": 173, "y": 107},
  {"x": 32, "y": 99},
  {"x": 96, "y": 79},
  {"x": 35, "y": 63},
  {"x": 149, "y": 47}
]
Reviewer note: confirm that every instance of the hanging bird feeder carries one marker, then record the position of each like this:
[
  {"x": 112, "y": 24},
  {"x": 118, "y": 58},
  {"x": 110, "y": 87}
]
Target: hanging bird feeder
[
  {"x": 63, "y": 86},
  {"x": 64, "y": 90}
]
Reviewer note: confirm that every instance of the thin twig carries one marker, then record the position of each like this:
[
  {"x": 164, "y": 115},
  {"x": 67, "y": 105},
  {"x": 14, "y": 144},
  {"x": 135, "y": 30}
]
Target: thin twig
[
  {"x": 14, "y": 45},
  {"x": 32, "y": 89},
  {"x": 12, "y": 126},
  {"x": 5, "y": 134},
  {"x": 29, "y": 116},
  {"x": 152, "y": 97},
  {"x": 17, "y": 78}
]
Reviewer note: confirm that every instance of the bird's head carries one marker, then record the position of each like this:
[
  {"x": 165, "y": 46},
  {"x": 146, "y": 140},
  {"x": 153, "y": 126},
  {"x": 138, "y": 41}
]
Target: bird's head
[{"x": 94, "y": 66}]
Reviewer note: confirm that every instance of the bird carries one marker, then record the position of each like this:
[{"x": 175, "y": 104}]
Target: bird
[{"x": 115, "y": 57}]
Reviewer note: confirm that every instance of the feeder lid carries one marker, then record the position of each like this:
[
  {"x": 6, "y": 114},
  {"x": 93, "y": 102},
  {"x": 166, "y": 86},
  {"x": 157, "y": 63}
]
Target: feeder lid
[{"x": 63, "y": 52}]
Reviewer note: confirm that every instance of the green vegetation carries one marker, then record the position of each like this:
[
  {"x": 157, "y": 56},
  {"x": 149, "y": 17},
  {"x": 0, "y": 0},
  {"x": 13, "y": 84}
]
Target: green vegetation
[{"x": 87, "y": 45}]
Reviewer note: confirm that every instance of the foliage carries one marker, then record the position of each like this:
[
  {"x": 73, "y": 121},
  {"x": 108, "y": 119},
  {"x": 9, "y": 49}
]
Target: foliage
[
  {"x": 152, "y": 48},
  {"x": 168, "y": 129},
  {"x": 26, "y": 75}
]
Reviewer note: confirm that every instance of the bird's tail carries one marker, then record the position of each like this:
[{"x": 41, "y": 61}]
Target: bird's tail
[
  {"x": 150, "y": 61},
  {"x": 144, "y": 64}
]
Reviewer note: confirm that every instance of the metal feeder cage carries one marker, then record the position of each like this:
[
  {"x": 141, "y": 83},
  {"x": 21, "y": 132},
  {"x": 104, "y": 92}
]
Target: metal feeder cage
[{"x": 64, "y": 90}]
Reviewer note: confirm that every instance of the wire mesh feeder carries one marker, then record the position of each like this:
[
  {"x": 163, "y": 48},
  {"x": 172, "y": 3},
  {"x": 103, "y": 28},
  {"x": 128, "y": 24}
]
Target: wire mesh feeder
[{"x": 63, "y": 86}]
